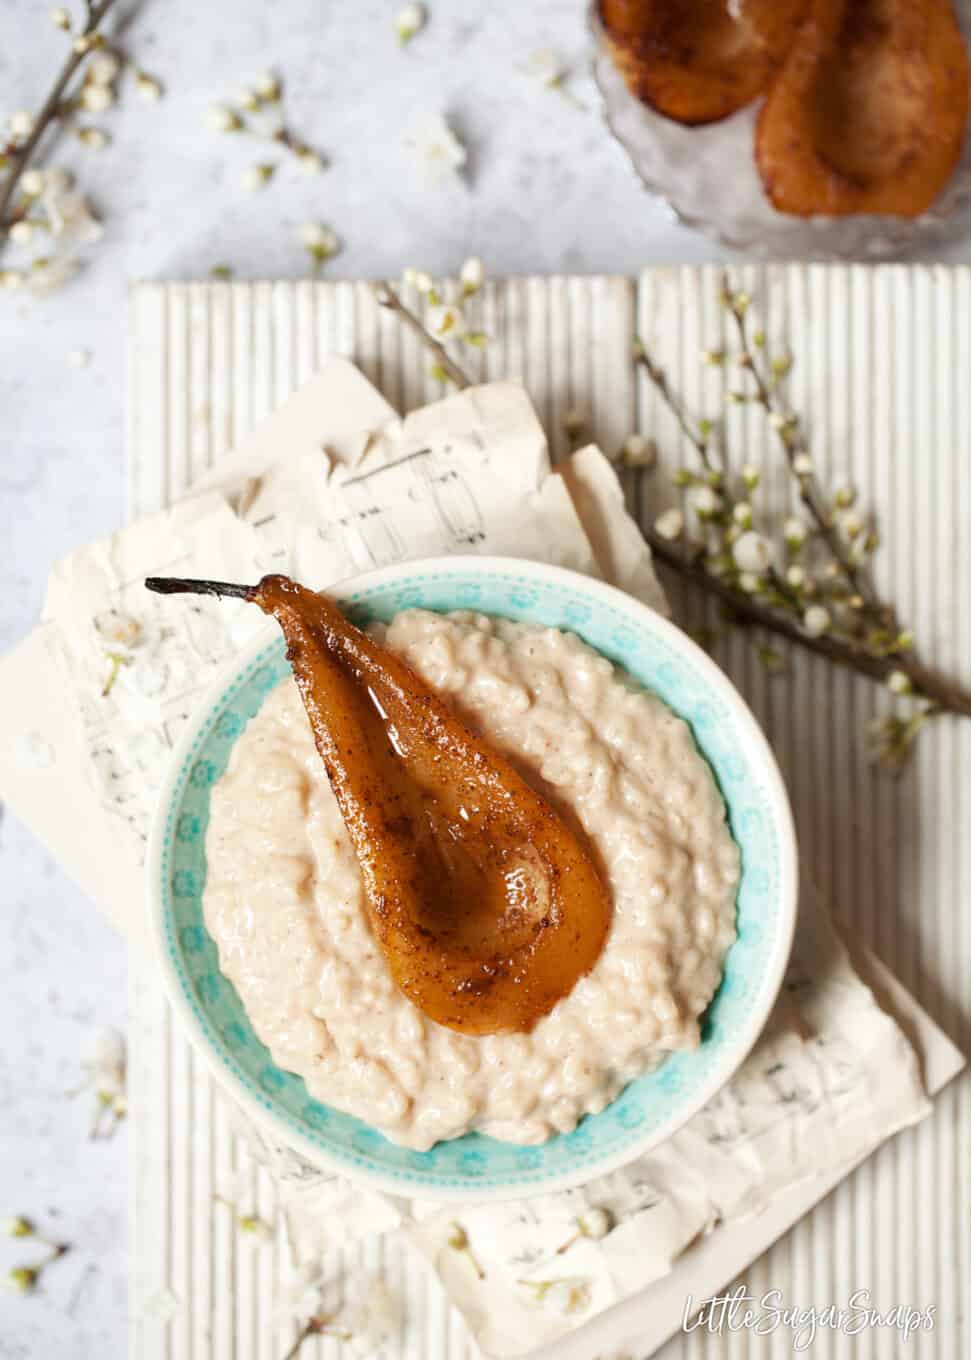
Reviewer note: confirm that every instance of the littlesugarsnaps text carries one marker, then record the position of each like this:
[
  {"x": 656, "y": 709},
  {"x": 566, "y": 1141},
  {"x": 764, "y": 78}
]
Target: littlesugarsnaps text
[{"x": 740, "y": 1311}]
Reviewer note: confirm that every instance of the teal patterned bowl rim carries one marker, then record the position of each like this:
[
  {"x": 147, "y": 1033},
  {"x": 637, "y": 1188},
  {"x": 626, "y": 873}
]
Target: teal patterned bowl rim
[{"x": 650, "y": 1109}]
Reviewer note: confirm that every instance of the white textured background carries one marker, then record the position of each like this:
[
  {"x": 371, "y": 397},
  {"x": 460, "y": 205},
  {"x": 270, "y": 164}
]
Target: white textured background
[{"x": 545, "y": 191}]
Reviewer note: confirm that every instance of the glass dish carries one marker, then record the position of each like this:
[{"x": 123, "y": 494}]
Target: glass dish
[{"x": 707, "y": 177}]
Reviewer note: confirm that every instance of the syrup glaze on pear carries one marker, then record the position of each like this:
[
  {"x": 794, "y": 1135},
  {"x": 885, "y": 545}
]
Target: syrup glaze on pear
[
  {"x": 486, "y": 905},
  {"x": 698, "y": 61},
  {"x": 868, "y": 114}
]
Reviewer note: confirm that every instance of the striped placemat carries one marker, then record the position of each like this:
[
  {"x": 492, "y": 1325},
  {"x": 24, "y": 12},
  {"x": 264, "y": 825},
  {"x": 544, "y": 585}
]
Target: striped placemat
[{"x": 883, "y": 364}]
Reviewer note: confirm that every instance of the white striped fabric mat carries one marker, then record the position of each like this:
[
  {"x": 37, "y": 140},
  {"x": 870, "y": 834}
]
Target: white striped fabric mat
[{"x": 883, "y": 363}]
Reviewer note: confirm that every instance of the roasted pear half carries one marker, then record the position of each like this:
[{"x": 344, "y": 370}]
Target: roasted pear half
[
  {"x": 697, "y": 61},
  {"x": 868, "y": 113},
  {"x": 486, "y": 904}
]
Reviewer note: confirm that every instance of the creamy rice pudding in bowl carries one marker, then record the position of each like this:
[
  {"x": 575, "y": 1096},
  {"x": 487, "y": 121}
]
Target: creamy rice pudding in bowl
[{"x": 634, "y": 735}]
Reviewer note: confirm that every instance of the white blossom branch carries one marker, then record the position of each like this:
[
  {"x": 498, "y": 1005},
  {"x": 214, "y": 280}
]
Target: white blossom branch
[{"x": 82, "y": 46}]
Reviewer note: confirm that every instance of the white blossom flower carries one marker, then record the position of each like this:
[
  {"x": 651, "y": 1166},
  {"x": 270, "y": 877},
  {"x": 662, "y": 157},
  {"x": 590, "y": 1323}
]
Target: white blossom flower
[
  {"x": 438, "y": 149},
  {"x": 222, "y": 119},
  {"x": 248, "y": 99},
  {"x": 57, "y": 180},
  {"x": 11, "y": 279},
  {"x": 752, "y": 553},
  {"x": 545, "y": 66},
  {"x": 447, "y": 321},
  {"x": 816, "y": 620},
  {"x": 638, "y": 451},
  {"x": 751, "y": 476},
  {"x": 796, "y": 576},
  {"x": 472, "y": 274},
  {"x": 106, "y": 1064},
  {"x": 670, "y": 525},
  {"x": 32, "y": 182},
  {"x": 303, "y": 1297},
  {"x": 104, "y": 68},
  {"x": 23, "y": 1279},
  {"x": 256, "y": 1229},
  {"x": 742, "y": 514},
  {"x": 270, "y": 124},
  {"x": 60, "y": 18},
  {"x": 257, "y": 177},
  {"x": 97, "y": 98},
  {"x": 17, "y": 1227},
  {"x": 21, "y": 125},
  {"x": 21, "y": 233},
  {"x": 105, "y": 1071},
  {"x": 802, "y": 465},
  {"x": 852, "y": 524},
  {"x": 116, "y": 628},
  {"x": 71, "y": 216},
  {"x": 148, "y": 87},
  {"x": 795, "y": 531},
  {"x": 48, "y": 273},
  {"x": 705, "y": 501},
  {"x": 596, "y": 1223},
  {"x": 373, "y": 1318},
  {"x": 898, "y": 682},
  {"x": 410, "y": 20},
  {"x": 749, "y": 582},
  {"x": 310, "y": 162},
  {"x": 268, "y": 86},
  {"x": 417, "y": 278},
  {"x": 321, "y": 242},
  {"x": 95, "y": 139},
  {"x": 569, "y": 1296}
]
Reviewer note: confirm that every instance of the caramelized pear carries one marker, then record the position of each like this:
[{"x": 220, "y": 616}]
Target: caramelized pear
[
  {"x": 697, "y": 61},
  {"x": 868, "y": 113},
  {"x": 487, "y": 906}
]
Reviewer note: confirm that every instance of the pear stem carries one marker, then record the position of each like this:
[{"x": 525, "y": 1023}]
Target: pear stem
[{"x": 180, "y": 585}]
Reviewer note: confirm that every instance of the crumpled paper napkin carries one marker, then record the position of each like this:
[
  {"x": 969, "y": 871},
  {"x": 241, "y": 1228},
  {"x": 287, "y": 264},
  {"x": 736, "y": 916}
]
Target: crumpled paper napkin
[{"x": 832, "y": 1075}]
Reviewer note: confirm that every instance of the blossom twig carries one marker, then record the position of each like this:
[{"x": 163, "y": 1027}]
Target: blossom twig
[
  {"x": 945, "y": 696},
  {"x": 21, "y": 157},
  {"x": 749, "y": 583},
  {"x": 791, "y": 435},
  {"x": 389, "y": 298},
  {"x": 697, "y": 437}
]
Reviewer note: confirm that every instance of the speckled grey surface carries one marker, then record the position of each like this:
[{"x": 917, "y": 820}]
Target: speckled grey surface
[{"x": 545, "y": 190}]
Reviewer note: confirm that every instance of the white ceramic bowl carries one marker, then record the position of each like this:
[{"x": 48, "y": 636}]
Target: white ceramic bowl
[{"x": 651, "y": 1108}]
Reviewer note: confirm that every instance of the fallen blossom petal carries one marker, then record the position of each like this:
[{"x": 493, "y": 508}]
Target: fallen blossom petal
[
  {"x": 410, "y": 21},
  {"x": 438, "y": 149},
  {"x": 148, "y": 87},
  {"x": 221, "y": 119},
  {"x": 257, "y": 177}
]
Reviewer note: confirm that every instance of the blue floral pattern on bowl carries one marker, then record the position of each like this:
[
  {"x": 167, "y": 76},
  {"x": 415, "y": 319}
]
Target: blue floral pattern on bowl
[{"x": 476, "y": 1164}]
